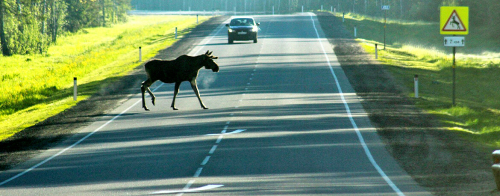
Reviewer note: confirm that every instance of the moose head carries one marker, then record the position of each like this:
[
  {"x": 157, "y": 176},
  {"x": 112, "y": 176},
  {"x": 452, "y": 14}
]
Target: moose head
[{"x": 208, "y": 61}]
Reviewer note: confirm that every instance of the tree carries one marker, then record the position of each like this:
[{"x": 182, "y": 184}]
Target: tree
[{"x": 5, "y": 49}]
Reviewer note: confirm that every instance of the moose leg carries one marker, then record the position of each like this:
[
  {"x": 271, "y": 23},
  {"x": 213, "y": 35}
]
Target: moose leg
[
  {"x": 176, "y": 91},
  {"x": 145, "y": 87},
  {"x": 153, "y": 98},
  {"x": 195, "y": 89}
]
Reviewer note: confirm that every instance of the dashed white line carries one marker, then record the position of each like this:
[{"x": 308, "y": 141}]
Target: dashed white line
[
  {"x": 198, "y": 172},
  {"x": 205, "y": 161},
  {"x": 213, "y": 149},
  {"x": 219, "y": 139}
]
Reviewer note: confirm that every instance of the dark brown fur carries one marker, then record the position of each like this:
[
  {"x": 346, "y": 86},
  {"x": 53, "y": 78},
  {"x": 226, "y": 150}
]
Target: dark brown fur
[{"x": 184, "y": 68}]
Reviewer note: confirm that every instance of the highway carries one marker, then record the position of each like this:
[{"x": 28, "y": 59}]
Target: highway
[{"x": 283, "y": 120}]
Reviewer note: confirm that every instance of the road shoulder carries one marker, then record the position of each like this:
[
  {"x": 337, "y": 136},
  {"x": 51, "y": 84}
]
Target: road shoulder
[{"x": 439, "y": 160}]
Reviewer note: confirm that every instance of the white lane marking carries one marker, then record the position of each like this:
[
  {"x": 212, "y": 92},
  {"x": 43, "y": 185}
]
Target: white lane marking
[
  {"x": 224, "y": 133},
  {"x": 198, "y": 172},
  {"x": 348, "y": 110},
  {"x": 188, "y": 185},
  {"x": 236, "y": 131},
  {"x": 205, "y": 161},
  {"x": 213, "y": 149},
  {"x": 219, "y": 139},
  {"x": 199, "y": 189},
  {"x": 74, "y": 144}
]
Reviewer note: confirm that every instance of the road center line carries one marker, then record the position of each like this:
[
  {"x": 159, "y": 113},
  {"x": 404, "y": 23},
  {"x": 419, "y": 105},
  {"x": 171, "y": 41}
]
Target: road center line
[{"x": 348, "y": 110}]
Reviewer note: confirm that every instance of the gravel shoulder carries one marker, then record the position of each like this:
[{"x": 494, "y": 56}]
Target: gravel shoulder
[{"x": 440, "y": 161}]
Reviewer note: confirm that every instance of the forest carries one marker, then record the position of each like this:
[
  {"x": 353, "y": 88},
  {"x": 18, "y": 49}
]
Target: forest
[
  {"x": 30, "y": 26},
  {"x": 483, "y": 13}
]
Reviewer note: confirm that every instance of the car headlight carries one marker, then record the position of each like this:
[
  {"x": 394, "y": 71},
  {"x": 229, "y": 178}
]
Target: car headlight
[
  {"x": 255, "y": 29},
  {"x": 230, "y": 30}
]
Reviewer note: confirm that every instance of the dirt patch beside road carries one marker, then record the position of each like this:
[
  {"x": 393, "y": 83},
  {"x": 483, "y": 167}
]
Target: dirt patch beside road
[{"x": 441, "y": 161}]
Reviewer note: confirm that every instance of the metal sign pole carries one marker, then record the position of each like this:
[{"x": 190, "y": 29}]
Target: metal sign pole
[
  {"x": 454, "y": 65},
  {"x": 385, "y": 25},
  {"x": 454, "y": 21}
]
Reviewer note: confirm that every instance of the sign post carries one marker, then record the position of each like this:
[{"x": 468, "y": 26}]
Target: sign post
[
  {"x": 385, "y": 8},
  {"x": 454, "y": 21}
]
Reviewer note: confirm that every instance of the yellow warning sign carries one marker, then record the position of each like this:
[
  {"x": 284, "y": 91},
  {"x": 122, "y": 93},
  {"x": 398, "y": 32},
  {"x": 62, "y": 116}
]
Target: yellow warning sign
[{"x": 454, "y": 20}]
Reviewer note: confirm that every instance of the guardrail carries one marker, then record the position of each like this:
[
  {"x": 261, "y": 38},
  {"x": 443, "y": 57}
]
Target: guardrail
[{"x": 496, "y": 167}]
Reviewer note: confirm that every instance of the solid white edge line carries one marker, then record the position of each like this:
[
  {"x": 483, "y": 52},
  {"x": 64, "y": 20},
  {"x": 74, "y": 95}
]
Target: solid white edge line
[
  {"x": 74, "y": 144},
  {"x": 358, "y": 133}
]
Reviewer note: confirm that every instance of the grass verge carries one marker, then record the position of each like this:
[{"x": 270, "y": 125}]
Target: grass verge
[
  {"x": 36, "y": 87},
  {"x": 415, "y": 48}
]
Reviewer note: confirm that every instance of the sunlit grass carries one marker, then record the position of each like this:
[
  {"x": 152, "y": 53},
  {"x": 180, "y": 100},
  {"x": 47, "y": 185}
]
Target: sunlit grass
[
  {"x": 417, "y": 49},
  {"x": 35, "y": 87}
]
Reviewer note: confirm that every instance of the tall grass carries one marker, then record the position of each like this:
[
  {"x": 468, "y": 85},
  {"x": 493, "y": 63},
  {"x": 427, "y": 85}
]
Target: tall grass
[
  {"x": 415, "y": 48},
  {"x": 35, "y": 87}
]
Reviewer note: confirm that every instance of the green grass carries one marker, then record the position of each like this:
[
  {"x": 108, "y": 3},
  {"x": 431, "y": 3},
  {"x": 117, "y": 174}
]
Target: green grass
[
  {"x": 35, "y": 87},
  {"x": 416, "y": 48}
]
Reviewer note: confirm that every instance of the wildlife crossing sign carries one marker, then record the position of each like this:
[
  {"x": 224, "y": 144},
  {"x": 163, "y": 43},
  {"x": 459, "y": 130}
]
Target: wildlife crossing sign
[{"x": 454, "y": 21}]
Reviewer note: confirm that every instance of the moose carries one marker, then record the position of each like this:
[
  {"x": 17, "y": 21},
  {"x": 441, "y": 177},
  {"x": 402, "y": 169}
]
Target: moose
[{"x": 184, "y": 68}]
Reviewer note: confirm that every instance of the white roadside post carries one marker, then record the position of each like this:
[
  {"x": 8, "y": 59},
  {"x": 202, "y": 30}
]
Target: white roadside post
[
  {"x": 355, "y": 32},
  {"x": 175, "y": 32},
  {"x": 75, "y": 93},
  {"x": 416, "y": 86},
  {"x": 140, "y": 54},
  {"x": 496, "y": 167},
  {"x": 376, "y": 52}
]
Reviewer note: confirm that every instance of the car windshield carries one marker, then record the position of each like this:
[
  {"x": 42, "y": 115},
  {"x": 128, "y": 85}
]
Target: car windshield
[{"x": 241, "y": 22}]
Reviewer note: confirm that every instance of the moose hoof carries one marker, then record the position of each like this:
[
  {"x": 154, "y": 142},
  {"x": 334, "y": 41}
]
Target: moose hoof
[
  {"x": 174, "y": 108},
  {"x": 146, "y": 109},
  {"x": 204, "y": 108}
]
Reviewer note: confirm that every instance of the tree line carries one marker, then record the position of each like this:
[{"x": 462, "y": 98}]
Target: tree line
[
  {"x": 30, "y": 26},
  {"x": 483, "y": 13}
]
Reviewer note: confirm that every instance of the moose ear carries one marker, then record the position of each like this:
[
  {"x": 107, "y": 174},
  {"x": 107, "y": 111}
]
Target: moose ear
[
  {"x": 207, "y": 53},
  {"x": 210, "y": 53}
]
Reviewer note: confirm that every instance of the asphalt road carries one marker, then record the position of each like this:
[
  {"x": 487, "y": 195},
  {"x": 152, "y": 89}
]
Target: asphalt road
[{"x": 283, "y": 120}]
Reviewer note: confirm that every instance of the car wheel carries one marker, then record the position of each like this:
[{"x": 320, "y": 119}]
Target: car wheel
[
  {"x": 255, "y": 39},
  {"x": 229, "y": 40}
]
